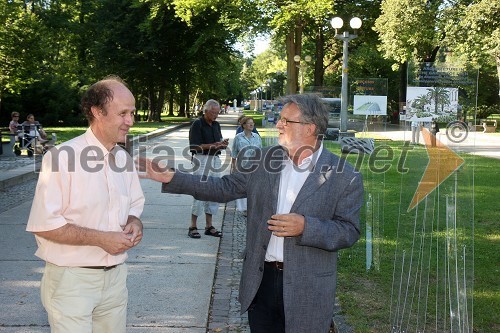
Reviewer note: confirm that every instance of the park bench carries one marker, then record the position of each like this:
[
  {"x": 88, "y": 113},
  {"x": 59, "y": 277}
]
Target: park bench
[
  {"x": 7, "y": 140},
  {"x": 489, "y": 125}
]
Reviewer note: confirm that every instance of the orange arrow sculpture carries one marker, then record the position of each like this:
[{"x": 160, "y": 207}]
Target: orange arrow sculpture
[{"x": 442, "y": 163}]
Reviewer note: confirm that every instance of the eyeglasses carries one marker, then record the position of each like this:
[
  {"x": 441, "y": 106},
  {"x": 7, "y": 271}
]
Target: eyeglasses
[{"x": 285, "y": 121}]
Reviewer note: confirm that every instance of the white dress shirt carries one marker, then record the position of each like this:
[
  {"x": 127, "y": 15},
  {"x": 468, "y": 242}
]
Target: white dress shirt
[{"x": 292, "y": 179}]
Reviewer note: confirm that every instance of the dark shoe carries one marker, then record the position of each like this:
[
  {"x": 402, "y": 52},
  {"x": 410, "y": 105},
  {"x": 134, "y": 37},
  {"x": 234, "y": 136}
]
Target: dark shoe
[
  {"x": 193, "y": 232},
  {"x": 212, "y": 232}
]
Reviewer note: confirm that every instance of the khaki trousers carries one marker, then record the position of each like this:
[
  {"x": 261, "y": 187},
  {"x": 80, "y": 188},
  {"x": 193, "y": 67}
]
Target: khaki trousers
[{"x": 83, "y": 300}]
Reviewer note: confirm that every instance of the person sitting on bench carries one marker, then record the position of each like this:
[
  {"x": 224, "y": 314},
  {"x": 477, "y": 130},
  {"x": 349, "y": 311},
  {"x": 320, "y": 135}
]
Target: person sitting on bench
[
  {"x": 14, "y": 122},
  {"x": 35, "y": 128}
]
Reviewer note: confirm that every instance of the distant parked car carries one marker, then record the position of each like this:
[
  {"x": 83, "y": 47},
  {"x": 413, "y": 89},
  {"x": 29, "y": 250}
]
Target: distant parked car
[{"x": 333, "y": 105}]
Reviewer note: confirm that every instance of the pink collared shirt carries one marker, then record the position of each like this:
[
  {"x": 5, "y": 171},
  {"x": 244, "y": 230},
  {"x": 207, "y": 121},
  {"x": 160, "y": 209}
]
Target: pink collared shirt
[{"x": 80, "y": 182}]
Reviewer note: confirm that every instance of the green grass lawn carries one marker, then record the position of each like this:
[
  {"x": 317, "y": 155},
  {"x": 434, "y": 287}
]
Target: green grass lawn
[
  {"x": 373, "y": 299},
  {"x": 257, "y": 117},
  {"x": 141, "y": 127}
]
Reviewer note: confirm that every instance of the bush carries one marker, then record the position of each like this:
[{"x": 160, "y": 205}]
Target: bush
[
  {"x": 482, "y": 112},
  {"x": 446, "y": 118}
]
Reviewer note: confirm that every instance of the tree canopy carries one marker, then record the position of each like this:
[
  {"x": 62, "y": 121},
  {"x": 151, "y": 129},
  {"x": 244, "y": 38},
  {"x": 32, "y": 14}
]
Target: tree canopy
[{"x": 176, "y": 53}]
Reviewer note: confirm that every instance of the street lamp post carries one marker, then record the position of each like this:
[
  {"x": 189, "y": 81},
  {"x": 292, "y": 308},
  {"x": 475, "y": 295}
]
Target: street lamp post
[
  {"x": 262, "y": 96},
  {"x": 270, "y": 84},
  {"x": 281, "y": 77},
  {"x": 355, "y": 24},
  {"x": 260, "y": 99},
  {"x": 302, "y": 68}
]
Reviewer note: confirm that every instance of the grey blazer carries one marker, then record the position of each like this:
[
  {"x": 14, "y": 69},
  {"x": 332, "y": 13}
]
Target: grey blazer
[{"x": 330, "y": 200}]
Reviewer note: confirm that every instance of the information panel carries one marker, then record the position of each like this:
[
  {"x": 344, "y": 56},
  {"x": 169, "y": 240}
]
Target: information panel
[{"x": 370, "y": 96}]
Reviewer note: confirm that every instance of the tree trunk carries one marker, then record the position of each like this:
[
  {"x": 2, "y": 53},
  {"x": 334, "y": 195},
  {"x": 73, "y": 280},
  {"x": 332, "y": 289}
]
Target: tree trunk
[
  {"x": 319, "y": 70},
  {"x": 497, "y": 57},
  {"x": 152, "y": 103},
  {"x": 293, "y": 48},
  {"x": 298, "y": 49},
  {"x": 182, "y": 102},
  {"x": 82, "y": 42},
  {"x": 291, "y": 69},
  {"x": 403, "y": 77},
  {"x": 171, "y": 102},
  {"x": 161, "y": 102}
]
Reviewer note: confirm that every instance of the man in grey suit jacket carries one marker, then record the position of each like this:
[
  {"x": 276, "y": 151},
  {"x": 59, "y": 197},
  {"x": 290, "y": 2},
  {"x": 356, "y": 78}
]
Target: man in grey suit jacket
[{"x": 303, "y": 206}]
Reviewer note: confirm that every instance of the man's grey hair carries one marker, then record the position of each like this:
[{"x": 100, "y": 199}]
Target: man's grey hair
[
  {"x": 210, "y": 104},
  {"x": 312, "y": 108}
]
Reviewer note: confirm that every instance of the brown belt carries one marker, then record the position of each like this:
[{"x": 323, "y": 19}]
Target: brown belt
[
  {"x": 104, "y": 268},
  {"x": 275, "y": 264}
]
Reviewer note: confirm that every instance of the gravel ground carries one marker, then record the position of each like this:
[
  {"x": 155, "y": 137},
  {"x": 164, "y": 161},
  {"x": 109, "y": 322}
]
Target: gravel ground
[
  {"x": 21, "y": 192},
  {"x": 17, "y": 194}
]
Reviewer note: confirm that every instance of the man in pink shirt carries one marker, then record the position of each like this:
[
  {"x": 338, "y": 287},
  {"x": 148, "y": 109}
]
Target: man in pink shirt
[{"x": 85, "y": 216}]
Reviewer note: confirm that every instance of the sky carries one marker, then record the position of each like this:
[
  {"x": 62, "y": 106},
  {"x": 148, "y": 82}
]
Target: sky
[{"x": 261, "y": 44}]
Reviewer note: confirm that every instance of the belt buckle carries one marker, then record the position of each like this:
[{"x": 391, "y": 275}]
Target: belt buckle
[{"x": 276, "y": 264}]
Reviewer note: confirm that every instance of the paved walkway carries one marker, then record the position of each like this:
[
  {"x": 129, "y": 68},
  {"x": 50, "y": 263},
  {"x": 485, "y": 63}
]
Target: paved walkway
[{"x": 176, "y": 284}]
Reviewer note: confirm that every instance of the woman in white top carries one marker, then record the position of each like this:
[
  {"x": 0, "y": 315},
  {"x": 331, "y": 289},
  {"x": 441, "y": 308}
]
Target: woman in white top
[
  {"x": 247, "y": 138},
  {"x": 35, "y": 128}
]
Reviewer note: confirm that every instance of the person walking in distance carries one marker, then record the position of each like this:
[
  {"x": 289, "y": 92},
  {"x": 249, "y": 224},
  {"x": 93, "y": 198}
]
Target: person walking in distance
[
  {"x": 434, "y": 131},
  {"x": 303, "y": 207},
  {"x": 415, "y": 132},
  {"x": 244, "y": 143},
  {"x": 205, "y": 144},
  {"x": 86, "y": 215}
]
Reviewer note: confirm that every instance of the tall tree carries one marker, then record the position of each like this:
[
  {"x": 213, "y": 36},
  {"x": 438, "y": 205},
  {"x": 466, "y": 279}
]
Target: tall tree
[
  {"x": 408, "y": 28},
  {"x": 207, "y": 30},
  {"x": 473, "y": 32},
  {"x": 288, "y": 21},
  {"x": 37, "y": 51},
  {"x": 20, "y": 51},
  {"x": 414, "y": 29}
]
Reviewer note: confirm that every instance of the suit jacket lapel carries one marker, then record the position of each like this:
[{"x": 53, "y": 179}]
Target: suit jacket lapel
[
  {"x": 322, "y": 171},
  {"x": 274, "y": 177}
]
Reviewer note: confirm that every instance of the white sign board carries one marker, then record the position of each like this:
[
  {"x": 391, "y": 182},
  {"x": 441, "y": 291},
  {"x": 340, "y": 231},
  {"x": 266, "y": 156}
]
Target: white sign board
[{"x": 370, "y": 105}]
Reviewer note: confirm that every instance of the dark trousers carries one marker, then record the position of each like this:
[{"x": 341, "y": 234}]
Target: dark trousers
[{"x": 266, "y": 313}]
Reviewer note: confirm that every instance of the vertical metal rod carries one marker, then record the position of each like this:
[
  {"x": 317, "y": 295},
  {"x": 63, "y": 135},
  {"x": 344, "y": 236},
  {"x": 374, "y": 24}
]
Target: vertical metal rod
[
  {"x": 345, "y": 70},
  {"x": 369, "y": 225}
]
